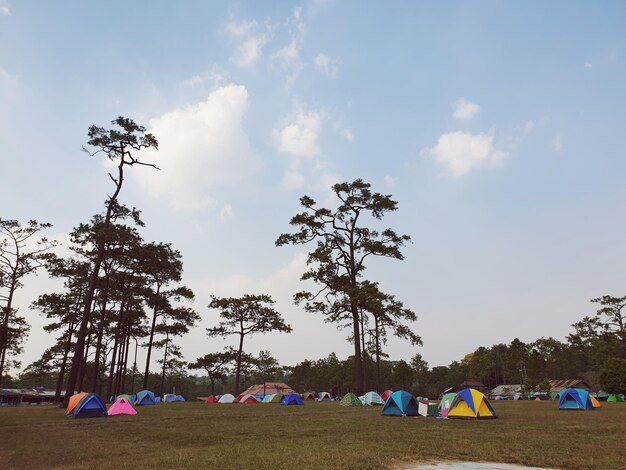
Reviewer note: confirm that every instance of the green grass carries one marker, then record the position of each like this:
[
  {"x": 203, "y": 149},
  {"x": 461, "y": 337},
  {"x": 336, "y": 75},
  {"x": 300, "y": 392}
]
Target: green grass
[{"x": 317, "y": 435}]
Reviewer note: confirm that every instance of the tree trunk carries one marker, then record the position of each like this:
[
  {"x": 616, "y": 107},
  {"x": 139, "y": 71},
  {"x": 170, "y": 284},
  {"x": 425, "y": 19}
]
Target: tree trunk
[
  {"x": 167, "y": 339},
  {"x": 358, "y": 362},
  {"x": 105, "y": 297},
  {"x": 4, "y": 333},
  {"x": 154, "y": 319},
  {"x": 377, "y": 336},
  {"x": 363, "y": 351},
  {"x": 93, "y": 281},
  {"x": 238, "y": 371}
]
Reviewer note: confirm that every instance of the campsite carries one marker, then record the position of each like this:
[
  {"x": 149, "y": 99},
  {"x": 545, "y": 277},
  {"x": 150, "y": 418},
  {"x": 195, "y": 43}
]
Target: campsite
[
  {"x": 312, "y": 234},
  {"x": 317, "y": 435}
]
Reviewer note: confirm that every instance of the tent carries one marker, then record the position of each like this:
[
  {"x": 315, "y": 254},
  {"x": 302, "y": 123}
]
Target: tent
[
  {"x": 125, "y": 395},
  {"x": 268, "y": 398},
  {"x": 145, "y": 397},
  {"x": 350, "y": 399},
  {"x": 308, "y": 396},
  {"x": 210, "y": 399},
  {"x": 227, "y": 398},
  {"x": 614, "y": 398},
  {"x": 325, "y": 396},
  {"x": 575, "y": 399},
  {"x": 472, "y": 404},
  {"x": 426, "y": 408},
  {"x": 248, "y": 400},
  {"x": 292, "y": 399},
  {"x": 121, "y": 407},
  {"x": 371, "y": 398},
  {"x": 169, "y": 398},
  {"x": 278, "y": 398},
  {"x": 595, "y": 402},
  {"x": 444, "y": 404},
  {"x": 238, "y": 398},
  {"x": 386, "y": 394},
  {"x": 89, "y": 406},
  {"x": 179, "y": 398},
  {"x": 75, "y": 400},
  {"x": 400, "y": 403}
]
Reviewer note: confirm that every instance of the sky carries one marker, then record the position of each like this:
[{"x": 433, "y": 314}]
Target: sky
[{"x": 497, "y": 126}]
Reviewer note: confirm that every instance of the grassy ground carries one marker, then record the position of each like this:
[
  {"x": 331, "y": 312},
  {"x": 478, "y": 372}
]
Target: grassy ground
[{"x": 317, "y": 435}]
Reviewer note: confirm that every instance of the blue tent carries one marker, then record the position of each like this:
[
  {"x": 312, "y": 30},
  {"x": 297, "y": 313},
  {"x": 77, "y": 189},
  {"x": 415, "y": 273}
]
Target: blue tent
[
  {"x": 292, "y": 399},
  {"x": 90, "y": 406},
  {"x": 169, "y": 398},
  {"x": 575, "y": 399},
  {"x": 400, "y": 403},
  {"x": 180, "y": 398},
  {"x": 145, "y": 397}
]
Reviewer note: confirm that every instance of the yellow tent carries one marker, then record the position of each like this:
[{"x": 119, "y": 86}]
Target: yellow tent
[{"x": 472, "y": 404}]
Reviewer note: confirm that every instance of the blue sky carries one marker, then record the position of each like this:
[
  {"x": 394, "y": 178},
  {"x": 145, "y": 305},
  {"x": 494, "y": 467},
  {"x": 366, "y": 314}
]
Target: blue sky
[{"x": 497, "y": 126}]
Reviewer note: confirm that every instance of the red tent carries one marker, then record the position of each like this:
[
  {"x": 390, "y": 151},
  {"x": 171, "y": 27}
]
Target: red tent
[
  {"x": 386, "y": 394},
  {"x": 239, "y": 397},
  {"x": 211, "y": 399},
  {"x": 248, "y": 400}
]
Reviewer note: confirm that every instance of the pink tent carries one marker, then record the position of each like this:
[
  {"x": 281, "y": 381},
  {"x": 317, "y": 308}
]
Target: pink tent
[{"x": 121, "y": 407}]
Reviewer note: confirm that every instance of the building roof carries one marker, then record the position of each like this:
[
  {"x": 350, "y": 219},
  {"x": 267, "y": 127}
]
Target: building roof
[
  {"x": 562, "y": 384},
  {"x": 270, "y": 387},
  {"x": 472, "y": 384},
  {"x": 507, "y": 390}
]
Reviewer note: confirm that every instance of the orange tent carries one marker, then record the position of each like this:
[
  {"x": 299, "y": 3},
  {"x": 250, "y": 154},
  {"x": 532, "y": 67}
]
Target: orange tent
[
  {"x": 595, "y": 402},
  {"x": 74, "y": 400}
]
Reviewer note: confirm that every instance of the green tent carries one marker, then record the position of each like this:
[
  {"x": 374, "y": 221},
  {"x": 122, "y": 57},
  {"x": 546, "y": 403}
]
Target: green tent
[
  {"x": 350, "y": 399},
  {"x": 444, "y": 404},
  {"x": 277, "y": 398},
  {"x": 614, "y": 398}
]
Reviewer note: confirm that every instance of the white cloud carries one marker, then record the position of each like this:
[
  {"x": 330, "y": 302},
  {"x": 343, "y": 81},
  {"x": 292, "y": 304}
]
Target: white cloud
[
  {"x": 588, "y": 65},
  {"x": 556, "y": 144},
  {"x": 201, "y": 147},
  {"x": 299, "y": 137},
  {"x": 461, "y": 152},
  {"x": 390, "y": 180},
  {"x": 251, "y": 42},
  {"x": 327, "y": 65},
  {"x": 289, "y": 53},
  {"x": 4, "y": 8},
  {"x": 292, "y": 179},
  {"x": 464, "y": 109},
  {"x": 226, "y": 212},
  {"x": 348, "y": 135}
]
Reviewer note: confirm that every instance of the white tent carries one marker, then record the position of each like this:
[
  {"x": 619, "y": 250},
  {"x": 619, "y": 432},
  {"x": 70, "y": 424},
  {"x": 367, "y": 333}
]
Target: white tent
[
  {"x": 228, "y": 398},
  {"x": 371, "y": 398}
]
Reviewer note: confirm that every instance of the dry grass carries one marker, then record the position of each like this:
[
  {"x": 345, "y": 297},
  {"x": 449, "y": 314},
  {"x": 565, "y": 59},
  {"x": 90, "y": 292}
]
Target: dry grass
[{"x": 317, "y": 435}]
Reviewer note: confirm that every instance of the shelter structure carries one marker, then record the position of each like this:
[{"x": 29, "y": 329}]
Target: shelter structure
[
  {"x": 248, "y": 400},
  {"x": 89, "y": 406},
  {"x": 575, "y": 399},
  {"x": 121, "y": 407},
  {"x": 444, "y": 404},
  {"x": 179, "y": 398},
  {"x": 471, "y": 404},
  {"x": 615, "y": 398},
  {"x": 426, "y": 408},
  {"x": 74, "y": 400},
  {"x": 507, "y": 392},
  {"x": 350, "y": 399},
  {"x": 227, "y": 398},
  {"x": 292, "y": 399},
  {"x": 277, "y": 398},
  {"x": 400, "y": 403},
  {"x": 269, "y": 388},
  {"x": 324, "y": 396},
  {"x": 268, "y": 398},
  {"x": 210, "y": 400},
  {"x": 145, "y": 397},
  {"x": 308, "y": 396},
  {"x": 386, "y": 394},
  {"x": 371, "y": 398}
]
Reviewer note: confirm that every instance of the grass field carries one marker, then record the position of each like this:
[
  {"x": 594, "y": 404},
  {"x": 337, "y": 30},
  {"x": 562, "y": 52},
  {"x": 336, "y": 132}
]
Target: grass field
[{"x": 317, "y": 435}]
